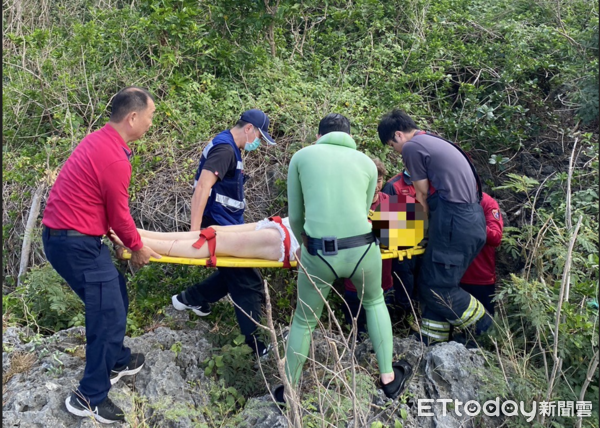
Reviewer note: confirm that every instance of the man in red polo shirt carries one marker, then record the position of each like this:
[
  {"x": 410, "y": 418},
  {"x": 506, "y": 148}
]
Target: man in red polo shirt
[{"x": 91, "y": 196}]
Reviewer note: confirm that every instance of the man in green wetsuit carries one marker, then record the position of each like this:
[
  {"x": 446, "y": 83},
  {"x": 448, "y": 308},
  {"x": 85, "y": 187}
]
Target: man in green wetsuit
[{"x": 330, "y": 190}]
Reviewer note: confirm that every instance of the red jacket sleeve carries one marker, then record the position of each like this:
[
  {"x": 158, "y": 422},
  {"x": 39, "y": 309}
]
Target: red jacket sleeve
[
  {"x": 115, "y": 184},
  {"x": 493, "y": 221}
]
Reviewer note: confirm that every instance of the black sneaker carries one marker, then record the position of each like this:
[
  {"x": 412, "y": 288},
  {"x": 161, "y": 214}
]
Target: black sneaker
[
  {"x": 181, "y": 304},
  {"x": 106, "y": 412},
  {"x": 135, "y": 364}
]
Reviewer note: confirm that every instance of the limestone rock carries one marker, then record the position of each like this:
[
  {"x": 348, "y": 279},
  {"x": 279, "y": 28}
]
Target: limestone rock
[{"x": 172, "y": 390}]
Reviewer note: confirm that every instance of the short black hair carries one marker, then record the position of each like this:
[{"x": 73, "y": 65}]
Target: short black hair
[
  {"x": 241, "y": 123},
  {"x": 334, "y": 122},
  {"x": 131, "y": 98},
  {"x": 396, "y": 120}
]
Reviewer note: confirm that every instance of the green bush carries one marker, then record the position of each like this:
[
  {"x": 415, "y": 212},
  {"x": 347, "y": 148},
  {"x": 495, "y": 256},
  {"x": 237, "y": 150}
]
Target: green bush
[
  {"x": 509, "y": 80},
  {"x": 234, "y": 365},
  {"x": 44, "y": 302}
]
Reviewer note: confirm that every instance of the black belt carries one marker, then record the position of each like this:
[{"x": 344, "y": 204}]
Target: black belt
[
  {"x": 329, "y": 245},
  {"x": 67, "y": 232}
]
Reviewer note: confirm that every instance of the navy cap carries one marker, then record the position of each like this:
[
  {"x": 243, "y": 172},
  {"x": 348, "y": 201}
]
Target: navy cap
[{"x": 260, "y": 120}]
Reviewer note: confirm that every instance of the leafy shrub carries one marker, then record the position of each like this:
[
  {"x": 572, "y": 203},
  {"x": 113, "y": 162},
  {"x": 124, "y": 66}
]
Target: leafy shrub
[
  {"x": 151, "y": 288},
  {"x": 234, "y": 365},
  {"x": 45, "y": 301}
]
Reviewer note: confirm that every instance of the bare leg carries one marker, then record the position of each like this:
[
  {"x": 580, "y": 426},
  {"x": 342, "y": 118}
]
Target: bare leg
[
  {"x": 248, "y": 227},
  {"x": 167, "y": 235},
  {"x": 256, "y": 244},
  {"x": 191, "y": 235}
]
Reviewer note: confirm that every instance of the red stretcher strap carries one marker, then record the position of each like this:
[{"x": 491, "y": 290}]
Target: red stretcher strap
[
  {"x": 286, "y": 241},
  {"x": 208, "y": 235}
]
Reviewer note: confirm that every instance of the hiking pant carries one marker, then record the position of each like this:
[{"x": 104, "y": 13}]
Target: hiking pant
[
  {"x": 313, "y": 291},
  {"x": 457, "y": 232},
  {"x": 85, "y": 264}
]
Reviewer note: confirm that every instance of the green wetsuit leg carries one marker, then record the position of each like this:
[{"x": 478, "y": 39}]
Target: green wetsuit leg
[
  {"x": 379, "y": 325},
  {"x": 310, "y": 304}
]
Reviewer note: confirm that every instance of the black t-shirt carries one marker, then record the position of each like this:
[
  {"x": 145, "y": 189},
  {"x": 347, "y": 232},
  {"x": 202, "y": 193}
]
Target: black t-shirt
[{"x": 221, "y": 161}]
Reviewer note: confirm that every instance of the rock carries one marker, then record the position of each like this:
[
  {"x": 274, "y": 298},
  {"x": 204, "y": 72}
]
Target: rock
[
  {"x": 260, "y": 413},
  {"x": 167, "y": 392},
  {"x": 10, "y": 336},
  {"x": 172, "y": 390}
]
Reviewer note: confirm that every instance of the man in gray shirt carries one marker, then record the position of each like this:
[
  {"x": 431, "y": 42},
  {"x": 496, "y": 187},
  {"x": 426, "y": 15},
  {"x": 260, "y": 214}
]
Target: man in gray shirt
[{"x": 457, "y": 229}]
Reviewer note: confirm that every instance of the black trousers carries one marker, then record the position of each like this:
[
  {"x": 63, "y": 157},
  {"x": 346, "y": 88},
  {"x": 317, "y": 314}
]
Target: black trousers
[
  {"x": 483, "y": 293},
  {"x": 403, "y": 276},
  {"x": 457, "y": 232},
  {"x": 85, "y": 264},
  {"x": 245, "y": 286}
]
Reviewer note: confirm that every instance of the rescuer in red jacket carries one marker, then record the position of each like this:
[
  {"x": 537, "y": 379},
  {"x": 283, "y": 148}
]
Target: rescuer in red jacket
[{"x": 480, "y": 278}]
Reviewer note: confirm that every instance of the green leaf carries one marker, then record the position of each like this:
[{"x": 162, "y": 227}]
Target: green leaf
[
  {"x": 403, "y": 414},
  {"x": 240, "y": 339}
]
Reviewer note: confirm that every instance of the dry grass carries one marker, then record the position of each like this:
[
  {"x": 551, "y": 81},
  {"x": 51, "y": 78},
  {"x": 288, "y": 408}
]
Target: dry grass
[{"x": 20, "y": 362}]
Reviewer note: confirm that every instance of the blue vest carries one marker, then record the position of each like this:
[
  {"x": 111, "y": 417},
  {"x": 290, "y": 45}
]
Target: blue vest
[{"x": 226, "y": 202}]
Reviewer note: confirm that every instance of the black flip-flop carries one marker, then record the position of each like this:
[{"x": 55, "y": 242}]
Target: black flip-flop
[
  {"x": 278, "y": 395},
  {"x": 402, "y": 373}
]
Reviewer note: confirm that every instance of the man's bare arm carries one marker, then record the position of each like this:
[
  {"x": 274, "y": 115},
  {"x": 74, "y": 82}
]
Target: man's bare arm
[
  {"x": 205, "y": 183},
  {"x": 421, "y": 189}
]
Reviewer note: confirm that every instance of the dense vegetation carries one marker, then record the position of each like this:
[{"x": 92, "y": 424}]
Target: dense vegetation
[{"x": 514, "y": 82}]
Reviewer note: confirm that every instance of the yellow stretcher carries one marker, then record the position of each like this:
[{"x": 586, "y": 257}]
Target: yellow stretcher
[{"x": 236, "y": 262}]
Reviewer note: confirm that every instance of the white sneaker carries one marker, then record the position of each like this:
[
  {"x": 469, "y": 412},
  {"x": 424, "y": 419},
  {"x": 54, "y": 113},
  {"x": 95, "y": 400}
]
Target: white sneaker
[{"x": 201, "y": 310}]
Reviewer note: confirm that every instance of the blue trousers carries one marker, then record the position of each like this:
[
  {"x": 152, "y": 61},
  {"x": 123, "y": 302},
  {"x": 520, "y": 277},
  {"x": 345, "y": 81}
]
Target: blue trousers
[{"x": 85, "y": 264}]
